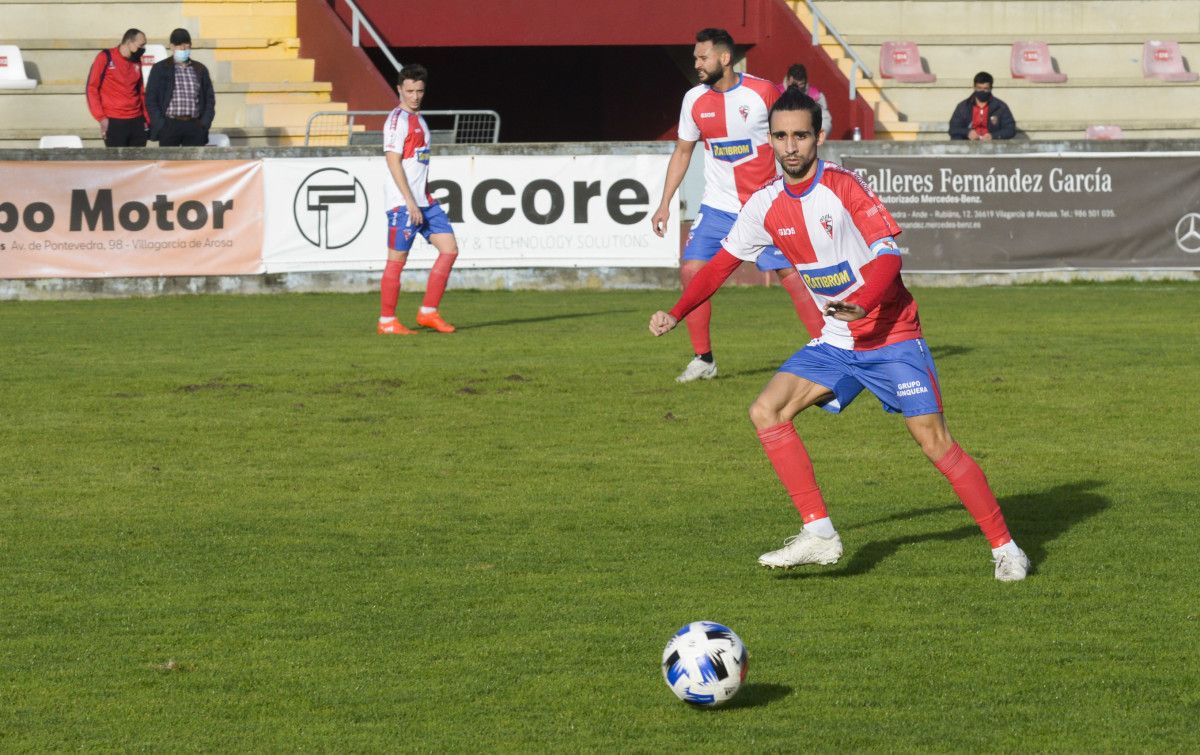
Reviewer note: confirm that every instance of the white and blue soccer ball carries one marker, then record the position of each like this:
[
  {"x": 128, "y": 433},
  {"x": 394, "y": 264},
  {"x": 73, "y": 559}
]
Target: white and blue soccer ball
[{"x": 705, "y": 664}]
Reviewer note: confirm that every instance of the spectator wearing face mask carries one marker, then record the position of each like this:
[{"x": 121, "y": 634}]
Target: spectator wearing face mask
[
  {"x": 180, "y": 98},
  {"x": 982, "y": 117},
  {"x": 114, "y": 92}
]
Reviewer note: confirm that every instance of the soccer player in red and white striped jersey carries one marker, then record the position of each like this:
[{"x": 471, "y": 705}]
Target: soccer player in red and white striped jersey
[
  {"x": 411, "y": 210},
  {"x": 728, "y": 112},
  {"x": 841, "y": 240}
]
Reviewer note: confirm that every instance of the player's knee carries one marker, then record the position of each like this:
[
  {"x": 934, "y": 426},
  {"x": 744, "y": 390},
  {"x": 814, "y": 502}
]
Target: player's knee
[
  {"x": 763, "y": 414},
  {"x": 935, "y": 444}
]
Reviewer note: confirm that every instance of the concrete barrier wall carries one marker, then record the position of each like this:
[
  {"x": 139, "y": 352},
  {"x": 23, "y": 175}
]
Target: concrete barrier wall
[{"x": 548, "y": 278}]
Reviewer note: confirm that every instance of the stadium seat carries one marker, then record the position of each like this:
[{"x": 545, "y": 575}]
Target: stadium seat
[
  {"x": 218, "y": 140},
  {"x": 902, "y": 61},
  {"x": 1164, "y": 61},
  {"x": 58, "y": 141},
  {"x": 1104, "y": 133},
  {"x": 153, "y": 54},
  {"x": 12, "y": 69},
  {"x": 1031, "y": 61}
]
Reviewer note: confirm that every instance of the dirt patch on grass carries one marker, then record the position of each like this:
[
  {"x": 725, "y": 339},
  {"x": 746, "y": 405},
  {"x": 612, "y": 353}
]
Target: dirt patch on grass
[{"x": 216, "y": 384}]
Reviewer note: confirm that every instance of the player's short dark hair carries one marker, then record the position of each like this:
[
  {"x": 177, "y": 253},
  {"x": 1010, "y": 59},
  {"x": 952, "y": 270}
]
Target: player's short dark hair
[
  {"x": 794, "y": 99},
  {"x": 719, "y": 38},
  {"x": 412, "y": 72},
  {"x": 131, "y": 34},
  {"x": 983, "y": 77},
  {"x": 797, "y": 71}
]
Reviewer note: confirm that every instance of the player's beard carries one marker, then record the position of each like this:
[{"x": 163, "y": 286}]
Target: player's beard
[
  {"x": 800, "y": 173},
  {"x": 711, "y": 77}
]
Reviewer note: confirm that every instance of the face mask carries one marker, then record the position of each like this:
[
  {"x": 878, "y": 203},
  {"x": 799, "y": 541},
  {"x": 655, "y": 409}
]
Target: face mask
[
  {"x": 183, "y": 56},
  {"x": 137, "y": 54},
  {"x": 982, "y": 96}
]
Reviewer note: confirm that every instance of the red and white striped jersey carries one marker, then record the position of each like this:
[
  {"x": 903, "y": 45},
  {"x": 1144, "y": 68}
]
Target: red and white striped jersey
[
  {"x": 408, "y": 135},
  {"x": 733, "y": 124},
  {"x": 832, "y": 229}
]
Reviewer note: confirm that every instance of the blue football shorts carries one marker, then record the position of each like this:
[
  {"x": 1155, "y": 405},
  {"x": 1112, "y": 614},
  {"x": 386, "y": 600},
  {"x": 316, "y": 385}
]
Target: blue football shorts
[
  {"x": 402, "y": 235},
  {"x": 902, "y": 376},
  {"x": 711, "y": 227}
]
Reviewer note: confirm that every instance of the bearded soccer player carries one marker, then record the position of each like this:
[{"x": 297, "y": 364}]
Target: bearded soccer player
[
  {"x": 728, "y": 111},
  {"x": 840, "y": 238},
  {"x": 412, "y": 209}
]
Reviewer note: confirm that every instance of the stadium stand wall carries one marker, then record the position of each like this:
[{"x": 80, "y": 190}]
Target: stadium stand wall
[
  {"x": 265, "y": 89},
  {"x": 1097, "y": 43}
]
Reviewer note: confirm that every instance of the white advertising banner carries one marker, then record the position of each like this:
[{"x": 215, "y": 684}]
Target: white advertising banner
[{"x": 508, "y": 211}]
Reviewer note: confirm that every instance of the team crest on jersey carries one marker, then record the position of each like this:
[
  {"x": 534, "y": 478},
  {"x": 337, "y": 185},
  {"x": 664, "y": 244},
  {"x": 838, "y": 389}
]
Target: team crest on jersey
[
  {"x": 732, "y": 151},
  {"x": 744, "y": 111},
  {"x": 829, "y": 281},
  {"x": 827, "y": 224}
]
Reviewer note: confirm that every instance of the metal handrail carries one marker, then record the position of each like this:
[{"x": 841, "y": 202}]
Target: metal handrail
[
  {"x": 360, "y": 20},
  {"x": 350, "y": 115},
  {"x": 857, "y": 64}
]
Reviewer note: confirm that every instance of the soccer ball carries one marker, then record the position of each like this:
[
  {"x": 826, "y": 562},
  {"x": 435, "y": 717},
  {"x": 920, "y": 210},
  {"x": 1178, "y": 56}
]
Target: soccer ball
[{"x": 705, "y": 664}]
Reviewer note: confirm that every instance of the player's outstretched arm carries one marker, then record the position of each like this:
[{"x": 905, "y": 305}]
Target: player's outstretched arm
[
  {"x": 661, "y": 323},
  {"x": 676, "y": 169}
]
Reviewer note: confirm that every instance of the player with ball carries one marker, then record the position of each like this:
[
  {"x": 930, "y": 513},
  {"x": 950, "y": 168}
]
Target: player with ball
[{"x": 841, "y": 240}]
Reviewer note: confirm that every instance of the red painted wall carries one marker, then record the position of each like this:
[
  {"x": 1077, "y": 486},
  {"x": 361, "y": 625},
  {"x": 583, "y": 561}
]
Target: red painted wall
[
  {"x": 607, "y": 70},
  {"x": 356, "y": 79}
]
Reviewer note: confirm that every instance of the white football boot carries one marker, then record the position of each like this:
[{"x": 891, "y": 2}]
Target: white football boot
[
  {"x": 1012, "y": 565},
  {"x": 697, "y": 369},
  {"x": 805, "y": 548}
]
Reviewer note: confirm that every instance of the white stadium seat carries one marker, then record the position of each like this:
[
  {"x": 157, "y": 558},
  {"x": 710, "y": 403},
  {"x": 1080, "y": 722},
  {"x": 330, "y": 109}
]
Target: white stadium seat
[
  {"x": 12, "y": 69},
  {"x": 69, "y": 141},
  {"x": 218, "y": 140},
  {"x": 153, "y": 54}
]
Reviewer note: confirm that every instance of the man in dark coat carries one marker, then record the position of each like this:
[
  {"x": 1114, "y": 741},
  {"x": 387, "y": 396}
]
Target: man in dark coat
[
  {"x": 981, "y": 116},
  {"x": 180, "y": 97}
]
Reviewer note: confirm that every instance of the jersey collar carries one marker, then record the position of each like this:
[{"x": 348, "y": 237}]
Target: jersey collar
[{"x": 806, "y": 187}]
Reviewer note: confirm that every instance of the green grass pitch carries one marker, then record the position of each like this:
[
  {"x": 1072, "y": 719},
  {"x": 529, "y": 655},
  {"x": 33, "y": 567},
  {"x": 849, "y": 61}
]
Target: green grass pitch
[{"x": 251, "y": 524}]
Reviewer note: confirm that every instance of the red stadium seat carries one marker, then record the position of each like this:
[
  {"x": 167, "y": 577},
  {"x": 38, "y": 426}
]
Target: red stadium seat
[
  {"x": 1104, "y": 133},
  {"x": 1031, "y": 61},
  {"x": 902, "y": 61},
  {"x": 1163, "y": 60}
]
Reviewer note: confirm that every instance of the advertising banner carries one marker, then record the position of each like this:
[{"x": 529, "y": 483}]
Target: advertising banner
[
  {"x": 1041, "y": 212},
  {"x": 118, "y": 219},
  {"x": 508, "y": 211}
]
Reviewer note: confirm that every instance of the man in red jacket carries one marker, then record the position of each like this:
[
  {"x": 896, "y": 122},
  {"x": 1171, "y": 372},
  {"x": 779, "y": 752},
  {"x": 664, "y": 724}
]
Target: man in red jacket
[{"x": 114, "y": 92}]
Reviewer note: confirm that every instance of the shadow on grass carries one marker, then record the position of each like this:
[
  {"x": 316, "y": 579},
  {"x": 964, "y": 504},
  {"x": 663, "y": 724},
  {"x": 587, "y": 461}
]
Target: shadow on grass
[
  {"x": 947, "y": 352},
  {"x": 1034, "y": 519},
  {"x": 547, "y": 318},
  {"x": 753, "y": 695}
]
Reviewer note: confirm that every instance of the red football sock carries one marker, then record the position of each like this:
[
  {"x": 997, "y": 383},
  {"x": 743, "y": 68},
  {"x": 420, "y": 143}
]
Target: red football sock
[
  {"x": 389, "y": 288},
  {"x": 697, "y": 321},
  {"x": 806, "y": 308},
  {"x": 437, "y": 280},
  {"x": 795, "y": 469},
  {"x": 969, "y": 483}
]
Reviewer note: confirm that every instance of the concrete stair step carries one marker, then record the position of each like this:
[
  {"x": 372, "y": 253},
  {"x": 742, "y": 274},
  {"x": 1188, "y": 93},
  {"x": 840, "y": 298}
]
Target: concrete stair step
[
  {"x": 1098, "y": 101},
  {"x": 1011, "y": 17},
  {"x": 291, "y": 70},
  {"x": 239, "y": 136},
  {"x": 1092, "y": 60},
  {"x": 247, "y": 26},
  {"x": 78, "y": 20},
  {"x": 294, "y": 115},
  {"x": 68, "y": 109}
]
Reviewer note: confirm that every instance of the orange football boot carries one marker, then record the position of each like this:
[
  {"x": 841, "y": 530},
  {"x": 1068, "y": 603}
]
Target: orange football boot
[
  {"x": 435, "y": 321},
  {"x": 394, "y": 328}
]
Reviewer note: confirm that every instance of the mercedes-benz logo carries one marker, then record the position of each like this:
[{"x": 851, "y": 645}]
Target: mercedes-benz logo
[
  {"x": 330, "y": 208},
  {"x": 1187, "y": 233}
]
